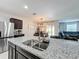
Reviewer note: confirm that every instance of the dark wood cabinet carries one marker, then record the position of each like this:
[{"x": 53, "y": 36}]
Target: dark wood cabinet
[
  {"x": 11, "y": 51},
  {"x": 15, "y": 52},
  {"x": 18, "y": 24},
  {"x": 26, "y": 53},
  {"x": 20, "y": 56}
]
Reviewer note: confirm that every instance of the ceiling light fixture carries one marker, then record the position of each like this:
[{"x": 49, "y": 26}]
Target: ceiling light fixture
[{"x": 26, "y": 7}]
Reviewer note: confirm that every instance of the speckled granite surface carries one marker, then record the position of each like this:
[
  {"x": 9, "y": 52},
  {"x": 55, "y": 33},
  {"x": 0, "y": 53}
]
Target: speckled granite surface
[{"x": 57, "y": 49}]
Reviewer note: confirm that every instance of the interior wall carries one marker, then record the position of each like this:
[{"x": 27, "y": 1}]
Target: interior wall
[{"x": 29, "y": 29}]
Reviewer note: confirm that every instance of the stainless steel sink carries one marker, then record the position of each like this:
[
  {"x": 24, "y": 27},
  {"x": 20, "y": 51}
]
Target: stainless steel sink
[
  {"x": 41, "y": 46},
  {"x": 37, "y": 45}
]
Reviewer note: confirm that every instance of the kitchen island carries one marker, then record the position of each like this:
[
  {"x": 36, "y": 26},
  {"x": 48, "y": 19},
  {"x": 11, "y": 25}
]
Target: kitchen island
[{"x": 57, "y": 49}]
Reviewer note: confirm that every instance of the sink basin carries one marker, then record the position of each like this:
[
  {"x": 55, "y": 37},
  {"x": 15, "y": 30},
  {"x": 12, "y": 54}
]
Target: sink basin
[
  {"x": 30, "y": 42},
  {"x": 37, "y": 45},
  {"x": 41, "y": 46}
]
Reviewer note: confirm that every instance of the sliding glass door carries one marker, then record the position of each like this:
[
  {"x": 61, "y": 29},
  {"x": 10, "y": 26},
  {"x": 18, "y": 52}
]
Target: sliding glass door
[{"x": 50, "y": 30}]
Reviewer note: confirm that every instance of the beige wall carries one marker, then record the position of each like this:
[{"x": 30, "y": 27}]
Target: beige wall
[{"x": 29, "y": 28}]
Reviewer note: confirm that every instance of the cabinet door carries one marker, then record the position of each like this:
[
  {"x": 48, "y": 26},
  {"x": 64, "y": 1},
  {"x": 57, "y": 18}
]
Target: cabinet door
[
  {"x": 20, "y": 56},
  {"x": 11, "y": 53},
  {"x": 25, "y": 53}
]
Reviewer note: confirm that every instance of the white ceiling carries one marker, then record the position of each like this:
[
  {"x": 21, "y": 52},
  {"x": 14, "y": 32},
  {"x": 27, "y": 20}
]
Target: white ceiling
[{"x": 52, "y": 9}]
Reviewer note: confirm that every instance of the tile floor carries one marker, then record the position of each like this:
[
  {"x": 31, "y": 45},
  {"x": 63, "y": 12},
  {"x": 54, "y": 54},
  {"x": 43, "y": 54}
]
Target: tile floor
[{"x": 4, "y": 55}]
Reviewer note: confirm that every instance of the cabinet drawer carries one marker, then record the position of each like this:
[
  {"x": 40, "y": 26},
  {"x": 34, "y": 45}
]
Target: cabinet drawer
[
  {"x": 11, "y": 52},
  {"x": 26, "y": 53}
]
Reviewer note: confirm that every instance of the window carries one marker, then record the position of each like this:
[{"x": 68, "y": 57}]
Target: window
[
  {"x": 72, "y": 27},
  {"x": 50, "y": 30}
]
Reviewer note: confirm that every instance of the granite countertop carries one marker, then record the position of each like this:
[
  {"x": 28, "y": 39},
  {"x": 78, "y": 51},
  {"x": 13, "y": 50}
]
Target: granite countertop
[{"x": 57, "y": 49}]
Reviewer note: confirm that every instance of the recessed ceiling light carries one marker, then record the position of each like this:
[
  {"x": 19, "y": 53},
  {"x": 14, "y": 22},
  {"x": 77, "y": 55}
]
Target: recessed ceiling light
[{"x": 26, "y": 7}]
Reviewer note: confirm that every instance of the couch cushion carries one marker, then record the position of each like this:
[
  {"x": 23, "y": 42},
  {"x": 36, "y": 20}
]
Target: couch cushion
[{"x": 71, "y": 34}]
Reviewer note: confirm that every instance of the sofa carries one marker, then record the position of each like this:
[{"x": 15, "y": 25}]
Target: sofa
[{"x": 69, "y": 35}]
